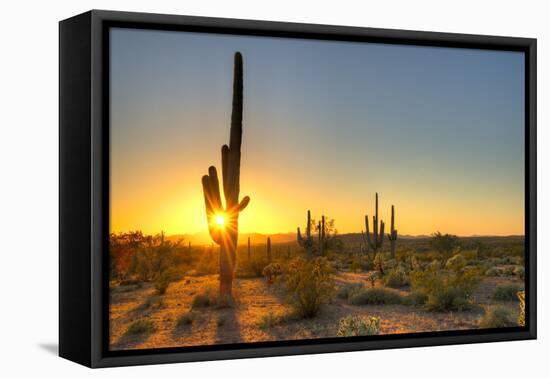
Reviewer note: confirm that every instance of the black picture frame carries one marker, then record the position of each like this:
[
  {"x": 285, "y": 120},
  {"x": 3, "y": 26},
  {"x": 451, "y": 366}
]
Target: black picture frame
[{"x": 84, "y": 186}]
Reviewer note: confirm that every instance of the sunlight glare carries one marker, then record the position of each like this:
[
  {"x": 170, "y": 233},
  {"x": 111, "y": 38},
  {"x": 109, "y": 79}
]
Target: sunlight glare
[{"x": 220, "y": 220}]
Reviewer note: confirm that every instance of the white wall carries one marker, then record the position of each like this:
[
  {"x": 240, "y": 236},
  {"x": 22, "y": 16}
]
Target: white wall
[{"x": 29, "y": 174}]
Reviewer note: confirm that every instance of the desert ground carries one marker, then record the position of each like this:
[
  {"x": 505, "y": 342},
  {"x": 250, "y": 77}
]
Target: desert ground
[{"x": 261, "y": 312}]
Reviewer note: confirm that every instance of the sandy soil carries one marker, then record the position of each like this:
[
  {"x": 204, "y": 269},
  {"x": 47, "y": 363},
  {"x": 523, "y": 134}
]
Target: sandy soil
[{"x": 245, "y": 321}]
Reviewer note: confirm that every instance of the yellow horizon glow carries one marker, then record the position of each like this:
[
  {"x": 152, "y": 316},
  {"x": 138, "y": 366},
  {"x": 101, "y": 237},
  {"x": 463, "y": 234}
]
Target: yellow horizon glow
[{"x": 177, "y": 207}]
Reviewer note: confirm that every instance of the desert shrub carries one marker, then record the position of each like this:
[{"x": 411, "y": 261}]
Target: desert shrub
[
  {"x": 506, "y": 293},
  {"x": 208, "y": 264},
  {"x": 186, "y": 319},
  {"x": 161, "y": 283},
  {"x": 446, "y": 290},
  {"x": 358, "y": 326},
  {"x": 456, "y": 263},
  {"x": 493, "y": 272},
  {"x": 355, "y": 265},
  {"x": 203, "y": 299},
  {"x": 140, "y": 326},
  {"x": 310, "y": 284},
  {"x": 349, "y": 289},
  {"x": 154, "y": 258},
  {"x": 508, "y": 271},
  {"x": 269, "y": 320},
  {"x": 519, "y": 272},
  {"x": 497, "y": 317},
  {"x": 375, "y": 296},
  {"x": 470, "y": 255},
  {"x": 396, "y": 278},
  {"x": 153, "y": 302},
  {"x": 415, "y": 298},
  {"x": 272, "y": 271},
  {"x": 253, "y": 267},
  {"x": 448, "y": 299},
  {"x": 373, "y": 276},
  {"x": 444, "y": 244}
]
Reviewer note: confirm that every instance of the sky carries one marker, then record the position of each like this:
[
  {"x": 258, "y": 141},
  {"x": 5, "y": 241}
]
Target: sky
[{"x": 437, "y": 132}]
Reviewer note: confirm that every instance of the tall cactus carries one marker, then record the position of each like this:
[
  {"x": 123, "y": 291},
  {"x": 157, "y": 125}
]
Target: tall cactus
[
  {"x": 375, "y": 240},
  {"x": 268, "y": 250},
  {"x": 392, "y": 236},
  {"x": 223, "y": 223},
  {"x": 307, "y": 241},
  {"x": 249, "y": 247},
  {"x": 322, "y": 236}
]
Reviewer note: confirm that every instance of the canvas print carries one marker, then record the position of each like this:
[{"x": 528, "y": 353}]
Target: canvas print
[{"x": 270, "y": 189}]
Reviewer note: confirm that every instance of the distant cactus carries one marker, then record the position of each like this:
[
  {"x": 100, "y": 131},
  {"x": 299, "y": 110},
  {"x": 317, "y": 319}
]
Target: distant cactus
[
  {"x": 307, "y": 241},
  {"x": 322, "y": 236},
  {"x": 249, "y": 247},
  {"x": 226, "y": 234},
  {"x": 392, "y": 236},
  {"x": 375, "y": 240},
  {"x": 268, "y": 250}
]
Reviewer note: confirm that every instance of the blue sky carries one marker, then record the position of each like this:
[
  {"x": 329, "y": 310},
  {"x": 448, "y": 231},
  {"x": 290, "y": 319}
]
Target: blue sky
[{"x": 439, "y": 132}]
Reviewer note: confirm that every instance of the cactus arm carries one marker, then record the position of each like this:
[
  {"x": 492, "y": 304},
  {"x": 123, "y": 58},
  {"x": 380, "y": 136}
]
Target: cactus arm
[
  {"x": 244, "y": 203},
  {"x": 381, "y": 235},
  {"x": 369, "y": 241}
]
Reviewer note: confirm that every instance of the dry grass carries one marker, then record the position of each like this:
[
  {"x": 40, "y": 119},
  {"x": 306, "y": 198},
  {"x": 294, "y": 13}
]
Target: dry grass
[{"x": 176, "y": 323}]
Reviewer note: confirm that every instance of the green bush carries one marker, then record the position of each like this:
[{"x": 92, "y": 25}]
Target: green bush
[
  {"x": 493, "y": 272},
  {"x": 448, "y": 299},
  {"x": 161, "y": 283},
  {"x": 347, "y": 290},
  {"x": 310, "y": 284},
  {"x": 374, "y": 296},
  {"x": 358, "y": 326},
  {"x": 498, "y": 317},
  {"x": 253, "y": 267},
  {"x": 186, "y": 319},
  {"x": 355, "y": 265},
  {"x": 396, "y": 278},
  {"x": 507, "y": 293},
  {"x": 140, "y": 326},
  {"x": 446, "y": 290},
  {"x": 415, "y": 298},
  {"x": 272, "y": 271}
]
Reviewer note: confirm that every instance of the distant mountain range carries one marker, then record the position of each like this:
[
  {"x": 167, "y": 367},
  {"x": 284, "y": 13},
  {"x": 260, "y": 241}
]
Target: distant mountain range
[{"x": 203, "y": 238}]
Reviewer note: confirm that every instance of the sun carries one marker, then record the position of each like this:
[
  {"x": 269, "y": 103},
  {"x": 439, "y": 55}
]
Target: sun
[{"x": 220, "y": 220}]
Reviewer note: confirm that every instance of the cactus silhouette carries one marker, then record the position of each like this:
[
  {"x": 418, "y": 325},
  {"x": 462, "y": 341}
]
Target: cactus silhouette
[
  {"x": 375, "y": 240},
  {"x": 322, "y": 236},
  {"x": 307, "y": 241},
  {"x": 223, "y": 223},
  {"x": 268, "y": 249},
  {"x": 392, "y": 236},
  {"x": 249, "y": 247}
]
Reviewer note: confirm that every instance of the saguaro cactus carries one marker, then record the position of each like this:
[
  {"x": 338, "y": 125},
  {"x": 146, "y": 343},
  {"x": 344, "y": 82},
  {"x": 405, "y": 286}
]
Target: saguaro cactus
[
  {"x": 307, "y": 241},
  {"x": 249, "y": 247},
  {"x": 392, "y": 236},
  {"x": 268, "y": 249},
  {"x": 322, "y": 236},
  {"x": 223, "y": 223},
  {"x": 375, "y": 240}
]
